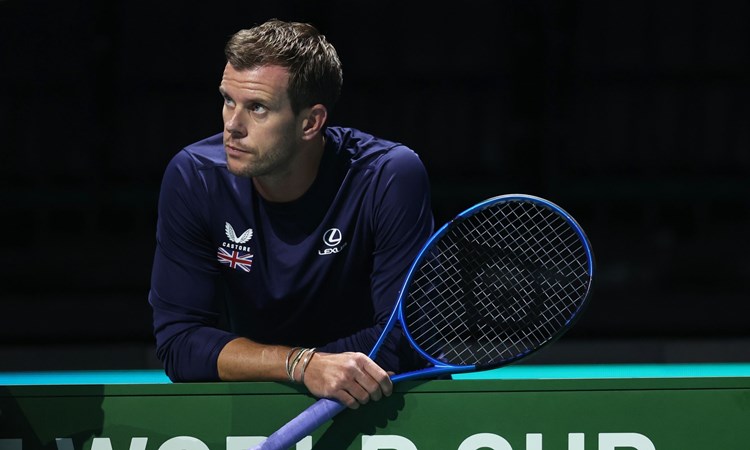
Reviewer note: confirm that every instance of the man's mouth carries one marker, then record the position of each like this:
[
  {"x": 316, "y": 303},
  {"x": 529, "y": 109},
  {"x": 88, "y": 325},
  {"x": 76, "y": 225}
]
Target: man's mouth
[{"x": 234, "y": 149}]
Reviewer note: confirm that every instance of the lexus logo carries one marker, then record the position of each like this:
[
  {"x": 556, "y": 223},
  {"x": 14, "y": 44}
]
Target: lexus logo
[{"x": 332, "y": 237}]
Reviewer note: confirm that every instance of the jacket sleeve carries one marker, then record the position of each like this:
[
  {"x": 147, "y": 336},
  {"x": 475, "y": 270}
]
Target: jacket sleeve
[{"x": 184, "y": 273}]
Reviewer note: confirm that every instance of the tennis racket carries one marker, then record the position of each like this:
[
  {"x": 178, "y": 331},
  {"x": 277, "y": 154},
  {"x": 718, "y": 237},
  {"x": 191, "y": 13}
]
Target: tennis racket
[{"x": 498, "y": 282}]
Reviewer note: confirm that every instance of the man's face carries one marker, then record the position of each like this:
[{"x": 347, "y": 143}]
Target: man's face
[{"x": 260, "y": 129}]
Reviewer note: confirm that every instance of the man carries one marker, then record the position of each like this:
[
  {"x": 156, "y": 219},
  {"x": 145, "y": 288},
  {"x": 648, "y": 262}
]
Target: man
[{"x": 282, "y": 242}]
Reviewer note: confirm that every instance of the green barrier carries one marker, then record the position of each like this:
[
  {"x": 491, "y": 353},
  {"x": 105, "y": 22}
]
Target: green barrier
[{"x": 562, "y": 414}]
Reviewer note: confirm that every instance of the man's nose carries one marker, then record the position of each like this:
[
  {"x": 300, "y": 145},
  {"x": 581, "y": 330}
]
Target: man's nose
[{"x": 236, "y": 123}]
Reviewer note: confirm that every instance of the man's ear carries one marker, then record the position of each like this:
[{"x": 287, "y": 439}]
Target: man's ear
[{"x": 314, "y": 120}]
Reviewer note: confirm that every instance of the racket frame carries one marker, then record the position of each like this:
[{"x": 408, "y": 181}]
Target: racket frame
[{"x": 397, "y": 315}]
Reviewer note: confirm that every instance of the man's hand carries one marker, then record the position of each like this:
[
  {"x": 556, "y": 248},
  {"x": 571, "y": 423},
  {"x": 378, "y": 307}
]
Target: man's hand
[{"x": 351, "y": 378}]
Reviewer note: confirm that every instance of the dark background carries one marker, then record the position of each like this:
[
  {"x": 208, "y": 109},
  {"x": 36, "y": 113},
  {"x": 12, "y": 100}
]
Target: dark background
[{"x": 633, "y": 116}]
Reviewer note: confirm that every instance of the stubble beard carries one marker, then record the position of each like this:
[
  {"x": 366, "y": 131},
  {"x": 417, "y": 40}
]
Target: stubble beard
[{"x": 267, "y": 163}]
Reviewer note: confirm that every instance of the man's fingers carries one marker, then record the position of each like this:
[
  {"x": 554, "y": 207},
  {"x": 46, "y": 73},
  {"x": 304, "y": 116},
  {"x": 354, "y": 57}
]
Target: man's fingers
[
  {"x": 351, "y": 378},
  {"x": 371, "y": 387},
  {"x": 383, "y": 380},
  {"x": 355, "y": 395},
  {"x": 348, "y": 400}
]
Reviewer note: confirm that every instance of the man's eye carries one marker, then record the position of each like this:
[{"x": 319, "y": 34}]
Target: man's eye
[{"x": 257, "y": 108}]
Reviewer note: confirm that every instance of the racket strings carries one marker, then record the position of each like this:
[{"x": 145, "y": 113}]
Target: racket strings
[{"x": 498, "y": 284}]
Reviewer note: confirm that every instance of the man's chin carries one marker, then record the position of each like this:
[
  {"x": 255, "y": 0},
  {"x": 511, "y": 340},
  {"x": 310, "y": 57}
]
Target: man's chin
[{"x": 237, "y": 169}]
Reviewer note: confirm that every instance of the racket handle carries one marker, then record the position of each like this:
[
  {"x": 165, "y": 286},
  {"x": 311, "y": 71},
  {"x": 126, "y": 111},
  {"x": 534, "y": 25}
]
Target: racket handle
[{"x": 305, "y": 423}]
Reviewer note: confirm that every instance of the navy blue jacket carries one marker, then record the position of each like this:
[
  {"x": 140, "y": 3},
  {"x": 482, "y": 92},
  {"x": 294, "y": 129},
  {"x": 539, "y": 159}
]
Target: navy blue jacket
[{"x": 322, "y": 271}]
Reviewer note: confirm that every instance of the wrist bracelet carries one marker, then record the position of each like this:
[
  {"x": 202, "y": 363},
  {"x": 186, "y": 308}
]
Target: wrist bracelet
[
  {"x": 308, "y": 357},
  {"x": 288, "y": 362},
  {"x": 297, "y": 357}
]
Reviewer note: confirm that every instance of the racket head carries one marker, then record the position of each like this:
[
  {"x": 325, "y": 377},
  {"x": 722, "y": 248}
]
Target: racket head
[{"x": 501, "y": 280}]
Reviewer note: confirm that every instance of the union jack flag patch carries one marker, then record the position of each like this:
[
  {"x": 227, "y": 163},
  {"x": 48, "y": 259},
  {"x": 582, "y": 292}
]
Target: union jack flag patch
[{"x": 235, "y": 260}]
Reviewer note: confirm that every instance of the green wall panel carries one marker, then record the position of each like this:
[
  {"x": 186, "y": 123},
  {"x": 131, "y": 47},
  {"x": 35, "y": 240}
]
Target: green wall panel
[{"x": 573, "y": 414}]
